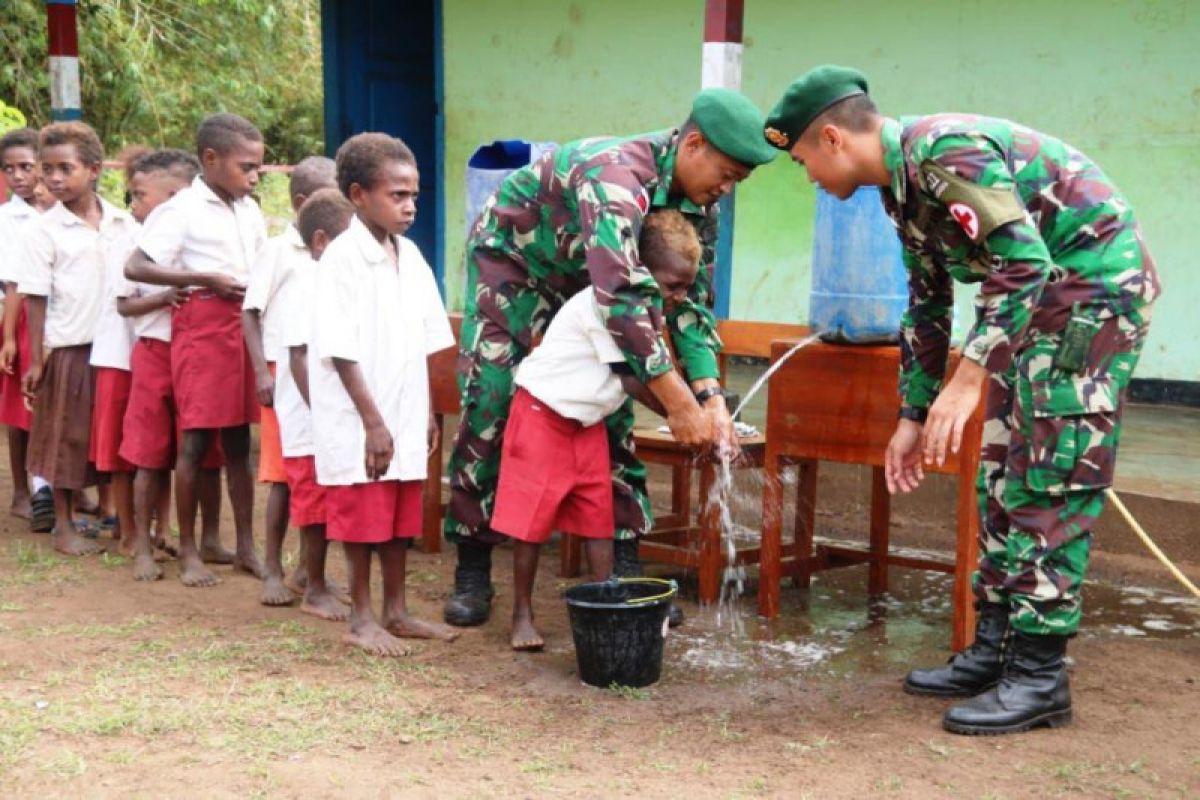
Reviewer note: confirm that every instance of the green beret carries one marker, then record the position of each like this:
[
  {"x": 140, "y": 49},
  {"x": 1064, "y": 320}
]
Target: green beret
[
  {"x": 808, "y": 96},
  {"x": 733, "y": 125}
]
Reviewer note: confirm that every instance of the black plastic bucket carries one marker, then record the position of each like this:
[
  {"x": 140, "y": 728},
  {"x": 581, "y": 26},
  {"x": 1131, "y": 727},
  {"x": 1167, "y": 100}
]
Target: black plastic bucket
[{"x": 619, "y": 627}]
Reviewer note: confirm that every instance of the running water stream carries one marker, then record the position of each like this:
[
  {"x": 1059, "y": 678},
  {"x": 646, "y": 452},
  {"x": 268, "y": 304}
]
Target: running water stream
[{"x": 733, "y": 579}]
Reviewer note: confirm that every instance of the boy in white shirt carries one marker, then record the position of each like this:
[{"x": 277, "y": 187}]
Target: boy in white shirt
[
  {"x": 206, "y": 237},
  {"x": 62, "y": 281},
  {"x": 263, "y": 315},
  {"x": 323, "y": 217},
  {"x": 378, "y": 317},
  {"x": 29, "y": 200},
  {"x": 555, "y": 473}
]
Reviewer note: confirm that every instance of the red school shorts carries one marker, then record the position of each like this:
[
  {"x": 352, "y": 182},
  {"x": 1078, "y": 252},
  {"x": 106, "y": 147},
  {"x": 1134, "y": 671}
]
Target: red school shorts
[
  {"x": 554, "y": 475},
  {"x": 306, "y": 497},
  {"x": 13, "y": 410},
  {"x": 210, "y": 368},
  {"x": 270, "y": 445},
  {"x": 151, "y": 427},
  {"x": 108, "y": 419},
  {"x": 373, "y": 513}
]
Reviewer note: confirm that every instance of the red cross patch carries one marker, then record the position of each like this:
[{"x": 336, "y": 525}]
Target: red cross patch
[
  {"x": 643, "y": 201},
  {"x": 966, "y": 217}
]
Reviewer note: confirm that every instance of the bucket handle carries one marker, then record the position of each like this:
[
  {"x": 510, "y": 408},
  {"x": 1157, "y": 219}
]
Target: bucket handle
[{"x": 672, "y": 588}]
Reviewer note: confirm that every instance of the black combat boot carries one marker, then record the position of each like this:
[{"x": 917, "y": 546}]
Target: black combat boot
[
  {"x": 471, "y": 602},
  {"x": 626, "y": 564},
  {"x": 973, "y": 670},
  {"x": 1033, "y": 691}
]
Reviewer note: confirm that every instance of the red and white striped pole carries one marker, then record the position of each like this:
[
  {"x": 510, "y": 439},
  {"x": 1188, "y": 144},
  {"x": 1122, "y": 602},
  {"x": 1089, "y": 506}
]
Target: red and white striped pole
[
  {"x": 721, "y": 67},
  {"x": 64, "y": 60}
]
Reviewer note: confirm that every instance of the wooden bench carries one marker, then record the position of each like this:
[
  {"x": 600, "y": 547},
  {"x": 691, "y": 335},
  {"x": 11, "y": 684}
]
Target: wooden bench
[{"x": 444, "y": 399}]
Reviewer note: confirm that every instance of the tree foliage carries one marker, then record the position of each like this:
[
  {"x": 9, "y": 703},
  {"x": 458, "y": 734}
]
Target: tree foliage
[{"x": 152, "y": 69}]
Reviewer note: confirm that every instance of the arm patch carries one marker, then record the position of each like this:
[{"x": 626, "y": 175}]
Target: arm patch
[{"x": 978, "y": 209}]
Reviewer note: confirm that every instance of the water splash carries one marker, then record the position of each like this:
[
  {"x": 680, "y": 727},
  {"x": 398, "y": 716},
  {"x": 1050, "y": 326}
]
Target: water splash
[{"x": 733, "y": 579}]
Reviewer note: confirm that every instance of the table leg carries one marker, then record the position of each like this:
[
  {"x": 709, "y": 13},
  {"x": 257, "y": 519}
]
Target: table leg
[
  {"x": 966, "y": 550},
  {"x": 877, "y": 575},
  {"x": 806, "y": 521},
  {"x": 772, "y": 534},
  {"x": 711, "y": 557},
  {"x": 431, "y": 499},
  {"x": 681, "y": 493}
]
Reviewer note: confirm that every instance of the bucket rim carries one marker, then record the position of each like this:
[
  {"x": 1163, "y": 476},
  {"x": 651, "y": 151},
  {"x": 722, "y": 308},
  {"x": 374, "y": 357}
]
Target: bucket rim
[{"x": 672, "y": 589}]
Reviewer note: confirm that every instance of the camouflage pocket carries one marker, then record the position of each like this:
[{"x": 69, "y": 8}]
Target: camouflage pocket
[{"x": 1073, "y": 434}]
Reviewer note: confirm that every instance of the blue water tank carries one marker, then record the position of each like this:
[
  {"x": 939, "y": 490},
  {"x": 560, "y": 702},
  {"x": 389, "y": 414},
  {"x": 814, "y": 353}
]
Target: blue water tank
[
  {"x": 491, "y": 164},
  {"x": 859, "y": 286}
]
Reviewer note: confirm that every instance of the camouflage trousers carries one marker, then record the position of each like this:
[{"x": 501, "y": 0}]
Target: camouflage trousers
[
  {"x": 489, "y": 353},
  {"x": 1049, "y": 450}
]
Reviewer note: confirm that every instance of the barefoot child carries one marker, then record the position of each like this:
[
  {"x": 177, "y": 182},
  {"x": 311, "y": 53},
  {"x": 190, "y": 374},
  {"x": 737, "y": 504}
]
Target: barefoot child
[
  {"x": 378, "y": 316},
  {"x": 262, "y": 322},
  {"x": 323, "y": 217},
  {"x": 29, "y": 200},
  {"x": 150, "y": 429},
  {"x": 554, "y": 468},
  {"x": 62, "y": 282},
  {"x": 213, "y": 231}
]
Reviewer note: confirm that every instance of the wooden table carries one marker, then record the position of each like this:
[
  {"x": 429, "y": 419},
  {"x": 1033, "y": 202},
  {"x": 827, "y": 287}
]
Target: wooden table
[{"x": 839, "y": 403}]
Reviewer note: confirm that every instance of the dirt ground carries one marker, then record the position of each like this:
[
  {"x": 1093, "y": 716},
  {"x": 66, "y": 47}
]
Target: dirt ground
[{"x": 110, "y": 688}]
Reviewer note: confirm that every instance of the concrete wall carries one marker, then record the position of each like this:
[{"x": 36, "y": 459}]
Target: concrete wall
[{"x": 1120, "y": 80}]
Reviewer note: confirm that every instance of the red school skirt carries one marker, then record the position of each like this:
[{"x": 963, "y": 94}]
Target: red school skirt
[
  {"x": 109, "y": 404},
  {"x": 13, "y": 410},
  {"x": 210, "y": 368}
]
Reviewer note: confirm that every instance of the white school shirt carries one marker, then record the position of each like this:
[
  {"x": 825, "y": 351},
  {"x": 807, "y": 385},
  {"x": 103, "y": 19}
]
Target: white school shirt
[
  {"x": 156, "y": 324},
  {"x": 199, "y": 232},
  {"x": 388, "y": 319},
  {"x": 295, "y": 309},
  {"x": 270, "y": 280},
  {"x": 569, "y": 371},
  {"x": 115, "y": 334},
  {"x": 16, "y": 217},
  {"x": 65, "y": 264}
]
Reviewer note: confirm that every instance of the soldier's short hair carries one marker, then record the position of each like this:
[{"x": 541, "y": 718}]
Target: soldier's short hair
[
  {"x": 312, "y": 174},
  {"x": 667, "y": 231},
  {"x": 361, "y": 157},
  {"x": 21, "y": 137},
  {"x": 178, "y": 163},
  {"x": 223, "y": 132},
  {"x": 856, "y": 114},
  {"x": 325, "y": 210},
  {"x": 80, "y": 134}
]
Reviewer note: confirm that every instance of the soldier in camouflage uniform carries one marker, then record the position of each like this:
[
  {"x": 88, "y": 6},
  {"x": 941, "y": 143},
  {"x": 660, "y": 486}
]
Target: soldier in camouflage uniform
[
  {"x": 568, "y": 221},
  {"x": 1066, "y": 289}
]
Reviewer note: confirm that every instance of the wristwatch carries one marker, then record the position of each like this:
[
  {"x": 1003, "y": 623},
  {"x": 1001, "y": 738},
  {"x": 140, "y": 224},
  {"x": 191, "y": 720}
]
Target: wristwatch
[
  {"x": 705, "y": 394},
  {"x": 914, "y": 413}
]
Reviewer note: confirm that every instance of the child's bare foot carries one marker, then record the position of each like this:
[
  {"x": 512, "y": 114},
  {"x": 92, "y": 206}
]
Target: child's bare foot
[
  {"x": 193, "y": 573},
  {"x": 72, "y": 544},
  {"x": 324, "y": 606},
  {"x": 249, "y": 563},
  {"x": 298, "y": 583},
  {"x": 376, "y": 641},
  {"x": 214, "y": 553},
  {"x": 145, "y": 568},
  {"x": 161, "y": 555},
  {"x": 126, "y": 548},
  {"x": 410, "y": 627},
  {"x": 21, "y": 507},
  {"x": 274, "y": 593},
  {"x": 163, "y": 545},
  {"x": 525, "y": 637}
]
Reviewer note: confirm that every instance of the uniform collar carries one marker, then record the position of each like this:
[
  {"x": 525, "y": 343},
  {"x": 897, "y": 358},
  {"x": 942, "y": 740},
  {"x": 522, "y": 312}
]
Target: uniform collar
[
  {"x": 209, "y": 195},
  {"x": 368, "y": 245},
  {"x": 893, "y": 157},
  {"x": 109, "y": 214},
  {"x": 665, "y": 163},
  {"x": 291, "y": 235},
  {"x": 20, "y": 208}
]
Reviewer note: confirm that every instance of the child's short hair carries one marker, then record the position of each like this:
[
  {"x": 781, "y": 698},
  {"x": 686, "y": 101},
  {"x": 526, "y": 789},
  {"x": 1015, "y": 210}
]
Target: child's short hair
[
  {"x": 667, "y": 230},
  {"x": 325, "y": 210},
  {"x": 129, "y": 154},
  {"x": 312, "y": 174},
  {"x": 178, "y": 163},
  {"x": 222, "y": 132},
  {"x": 21, "y": 137},
  {"x": 87, "y": 143},
  {"x": 360, "y": 158}
]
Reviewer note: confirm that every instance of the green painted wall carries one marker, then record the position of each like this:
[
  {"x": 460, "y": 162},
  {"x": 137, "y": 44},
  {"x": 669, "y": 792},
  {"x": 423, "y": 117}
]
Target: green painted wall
[{"x": 1120, "y": 80}]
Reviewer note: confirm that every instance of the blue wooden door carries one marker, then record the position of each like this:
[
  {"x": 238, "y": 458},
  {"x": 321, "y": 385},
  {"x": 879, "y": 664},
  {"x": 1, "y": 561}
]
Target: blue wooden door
[{"x": 382, "y": 73}]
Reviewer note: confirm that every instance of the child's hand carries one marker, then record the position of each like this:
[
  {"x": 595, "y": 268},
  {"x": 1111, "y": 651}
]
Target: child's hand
[
  {"x": 8, "y": 355},
  {"x": 902, "y": 463},
  {"x": 175, "y": 296},
  {"x": 32, "y": 380},
  {"x": 379, "y": 451},
  {"x": 433, "y": 435},
  {"x": 226, "y": 286},
  {"x": 265, "y": 386}
]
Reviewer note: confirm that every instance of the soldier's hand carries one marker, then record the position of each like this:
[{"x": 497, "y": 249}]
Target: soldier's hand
[
  {"x": 690, "y": 425},
  {"x": 951, "y": 411},
  {"x": 722, "y": 424},
  {"x": 902, "y": 463}
]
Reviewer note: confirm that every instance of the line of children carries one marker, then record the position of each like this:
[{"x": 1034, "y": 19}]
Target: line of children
[{"x": 262, "y": 322}]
